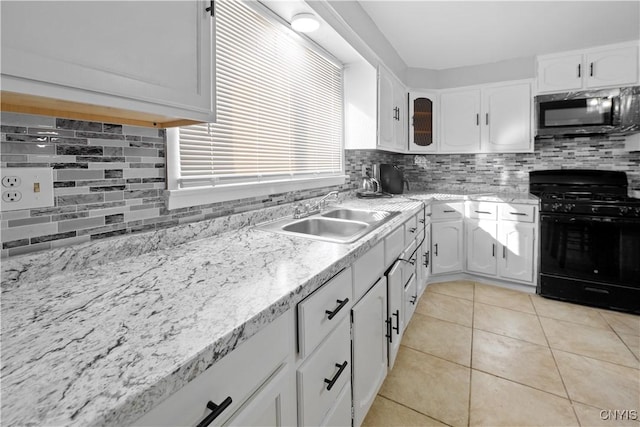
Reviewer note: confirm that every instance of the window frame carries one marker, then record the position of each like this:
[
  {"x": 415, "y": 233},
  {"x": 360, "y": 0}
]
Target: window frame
[{"x": 207, "y": 194}]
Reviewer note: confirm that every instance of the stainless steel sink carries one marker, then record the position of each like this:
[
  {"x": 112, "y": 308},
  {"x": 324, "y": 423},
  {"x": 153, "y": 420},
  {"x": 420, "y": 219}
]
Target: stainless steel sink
[
  {"x": 370, "y": 217},
  {"x": 339, "y": 225},
  {"x": 324, "y": 227}
]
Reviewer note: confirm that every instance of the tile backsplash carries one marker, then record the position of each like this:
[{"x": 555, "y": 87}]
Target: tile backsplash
[
  {"x": 109, "y": 179},
  {"x": 510, "y": 172}
]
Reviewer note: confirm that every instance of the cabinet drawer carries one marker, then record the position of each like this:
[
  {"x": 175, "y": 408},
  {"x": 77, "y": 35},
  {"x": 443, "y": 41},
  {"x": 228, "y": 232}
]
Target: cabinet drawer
[
  {"x": 367, "y": 269},
  {"x": 323, "y": 375},
  {"x": 410, "y": 229},
  {"x": 321, "y": 311},
  {"x": 237, "y": 376},
  {"x": 393, "y": 245},
  {"x": 520, "y": 213},
  {"x": 482, "y": 210},
  {"x": 452, "y": 210}
]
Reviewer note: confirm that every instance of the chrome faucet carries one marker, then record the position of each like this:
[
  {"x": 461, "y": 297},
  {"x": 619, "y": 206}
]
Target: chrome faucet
[{"x": 302, "y": 211}]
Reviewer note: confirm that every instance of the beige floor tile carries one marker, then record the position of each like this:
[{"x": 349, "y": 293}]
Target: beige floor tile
[
  {"x": 459, "y": 289},
  {"x": 429, "y": 385},
  {"x": 623, "y": 323},
  {"x": 597, "y": 383},
  {"x": 633, "y": 343},
  {"x": 590, "y": 416},
  {"x": 385, "y": 412},
  {"x": 445, "y": 307},
  {"x": 517, "y": 360},
  {"x": 502, "y": 297},
  {"x": 439, "y": 338},
  {"x": 587, "y": 341},
  {"x": 499, "y": 402},
  {"x": 569, "y": 312},
  {"x": 514, "y": 324}
]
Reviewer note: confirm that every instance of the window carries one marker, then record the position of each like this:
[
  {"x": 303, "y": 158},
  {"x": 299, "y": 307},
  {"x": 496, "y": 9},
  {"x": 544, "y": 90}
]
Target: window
[{"x": 279, "y": 115}]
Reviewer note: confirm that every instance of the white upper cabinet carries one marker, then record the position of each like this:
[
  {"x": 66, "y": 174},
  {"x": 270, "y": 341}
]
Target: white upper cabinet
[
  {"x": 488, "y": 118},
  {"x": 615, "y": 65},
  {"x": 460, "y": 121},
  {"x": 151, "y": 58},
  {"x": 422, "y": 120},
  {"x": 392, "y": 112},
  {"x": 507, "y": 115}
]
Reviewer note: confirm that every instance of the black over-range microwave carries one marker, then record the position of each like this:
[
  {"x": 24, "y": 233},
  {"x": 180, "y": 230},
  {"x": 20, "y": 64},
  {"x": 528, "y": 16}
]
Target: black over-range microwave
[{"x": 597, "y": 112}]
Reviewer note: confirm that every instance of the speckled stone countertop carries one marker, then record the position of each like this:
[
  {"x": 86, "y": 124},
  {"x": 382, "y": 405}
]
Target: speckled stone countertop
[
  {"x": 522, "y": 198},
  {"x": 100, "y": 333}
]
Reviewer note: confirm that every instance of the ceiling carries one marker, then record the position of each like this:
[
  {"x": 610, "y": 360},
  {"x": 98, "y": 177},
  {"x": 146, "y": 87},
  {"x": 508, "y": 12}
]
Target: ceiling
[{"x": 448, "y": 34}]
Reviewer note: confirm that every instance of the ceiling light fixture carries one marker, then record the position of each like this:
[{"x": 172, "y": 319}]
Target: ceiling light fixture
[{"x": 305, "y": 22}]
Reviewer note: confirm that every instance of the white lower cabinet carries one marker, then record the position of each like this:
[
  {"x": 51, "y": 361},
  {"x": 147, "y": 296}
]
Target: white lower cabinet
[
  {"x": 240, "y": 388},
  {"x": 446, "y": 247},
  {"x": 518, "y": 245},
  {"x": 504, "y": 248},
  {"x": 323, "y": 375},
  {"x": 410, "y": 299},
  {"x": 482, "y": 247},
  {"x": 369, "y": 348},
  {"x": 395, "y": 318}
]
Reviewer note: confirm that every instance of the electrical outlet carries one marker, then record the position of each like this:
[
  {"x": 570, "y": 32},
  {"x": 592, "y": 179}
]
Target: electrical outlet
[
  {"x": 26, "y": 188},
  {"x": 11, "y": 196},
  {"x": 11, "y": 181}
]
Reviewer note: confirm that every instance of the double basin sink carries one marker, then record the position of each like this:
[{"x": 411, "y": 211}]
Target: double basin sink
[{"x": 338, "y": 225}]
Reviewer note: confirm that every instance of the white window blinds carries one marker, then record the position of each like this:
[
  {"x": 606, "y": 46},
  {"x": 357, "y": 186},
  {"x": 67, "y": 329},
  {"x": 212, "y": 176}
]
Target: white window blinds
[{"x": 279, "y": 107}]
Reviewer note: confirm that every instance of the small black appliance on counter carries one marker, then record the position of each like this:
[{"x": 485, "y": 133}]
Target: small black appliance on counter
[{"x": 392, "y": 179}]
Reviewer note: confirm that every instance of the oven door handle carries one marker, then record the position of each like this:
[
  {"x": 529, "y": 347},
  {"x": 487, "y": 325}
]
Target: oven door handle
[{"x": 565, "y": 219}]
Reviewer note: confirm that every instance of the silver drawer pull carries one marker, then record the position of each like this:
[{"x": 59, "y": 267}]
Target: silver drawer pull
[
  {"x": 449, "y": 210},
  {"x": 518, "y": 213},
  {"x": 483, "y": 212}
]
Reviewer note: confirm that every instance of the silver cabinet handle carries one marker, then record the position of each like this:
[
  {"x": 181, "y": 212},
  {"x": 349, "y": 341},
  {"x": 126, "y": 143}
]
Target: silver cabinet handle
[{"x": 483, "y": 212}]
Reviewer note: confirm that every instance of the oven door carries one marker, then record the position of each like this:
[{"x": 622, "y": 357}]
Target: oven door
[{"x": 595, "y": 249}]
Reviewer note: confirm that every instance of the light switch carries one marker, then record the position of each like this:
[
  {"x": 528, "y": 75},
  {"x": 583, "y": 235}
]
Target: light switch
[{"x": 26, "y": 188}]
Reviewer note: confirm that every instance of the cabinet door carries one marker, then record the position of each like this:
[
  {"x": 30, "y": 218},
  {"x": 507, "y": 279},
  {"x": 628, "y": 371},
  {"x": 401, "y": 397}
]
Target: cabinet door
[
  {"x": 446, "y": 247},
  {"x": 482, "y": 247},
  {"x": 460, "y": 121},
  {"x": 400, "y": 124},
  {"x": 395, "y": 294},
  {"x": 560, "y": 73},
  {"x": 116, "y": 54},
  {"x": 273, "y": 405},
  {"x": 369, "y": 344},
  {"x": 386, "y": 110},
  {"x": 410, "y": 299},
  {"x": 517, "y": 256},
  {"x": 612, "y": 67},
  {"x": 506, "y": 118},
  {"x": 422, "y": 120},
  {"x": 425, "y": 260}
]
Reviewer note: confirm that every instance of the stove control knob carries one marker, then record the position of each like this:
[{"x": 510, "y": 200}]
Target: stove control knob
[
  {"x": 569, "y": 207},
  {"x": 637, "y": 210},
  {"x": 594, "y": 209},
  {"x": 623, "y": 210},
  {"x": 555, "y": 207}
]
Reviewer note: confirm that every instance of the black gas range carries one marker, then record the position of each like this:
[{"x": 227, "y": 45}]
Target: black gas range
[{"x": 589, "y": 238}]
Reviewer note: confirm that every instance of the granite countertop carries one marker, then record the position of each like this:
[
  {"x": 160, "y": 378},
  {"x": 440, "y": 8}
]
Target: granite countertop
[
  {"x": 99, "y": 334},
  {"x": 102, "y": 343},
  {"x": 514, "y": 197}
]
